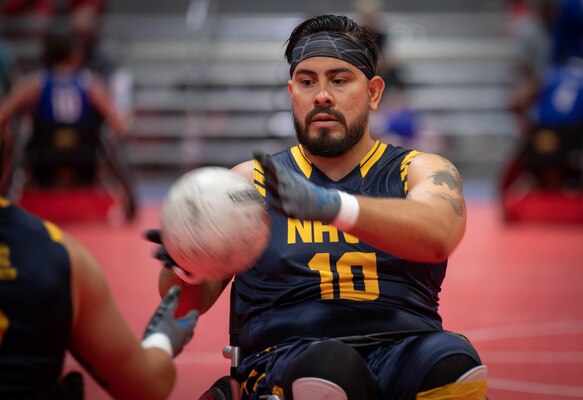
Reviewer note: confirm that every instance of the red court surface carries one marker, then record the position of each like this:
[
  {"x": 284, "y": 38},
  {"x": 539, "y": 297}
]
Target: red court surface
[{"x": 516, "y": 291}]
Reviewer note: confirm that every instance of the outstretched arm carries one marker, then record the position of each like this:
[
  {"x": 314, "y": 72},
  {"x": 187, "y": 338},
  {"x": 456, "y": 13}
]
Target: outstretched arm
[
  {"x": 428, "y": 224},
  {"x": 425, "y": 226},
  {"x": 101, "y": 99},
  {"x": 23, "y": 95},
  {"x": 200, "y": 296},
  {"x": 203, "y": 295},
  {"x": 104, "y": 344}
]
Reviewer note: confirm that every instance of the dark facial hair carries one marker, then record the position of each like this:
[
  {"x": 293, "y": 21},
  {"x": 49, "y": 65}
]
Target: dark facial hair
[{"x": 324, "y": 145}]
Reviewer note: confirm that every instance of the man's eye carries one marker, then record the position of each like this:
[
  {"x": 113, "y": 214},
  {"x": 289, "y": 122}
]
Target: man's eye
[{"x": 338, "y": 81}]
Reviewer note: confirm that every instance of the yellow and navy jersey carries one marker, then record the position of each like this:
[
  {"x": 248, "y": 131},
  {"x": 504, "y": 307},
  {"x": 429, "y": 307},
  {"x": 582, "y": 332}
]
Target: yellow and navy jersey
[
  {"x": 35, "y": 301},
  {"x": 316, "y": 281}
]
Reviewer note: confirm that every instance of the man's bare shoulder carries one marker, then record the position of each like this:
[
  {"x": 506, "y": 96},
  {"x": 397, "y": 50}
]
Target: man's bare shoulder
[{"x": 429, "y": 162}]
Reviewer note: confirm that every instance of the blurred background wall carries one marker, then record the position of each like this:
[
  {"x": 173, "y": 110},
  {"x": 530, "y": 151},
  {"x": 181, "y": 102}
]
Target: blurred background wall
[{"x": 205, "y": 80}]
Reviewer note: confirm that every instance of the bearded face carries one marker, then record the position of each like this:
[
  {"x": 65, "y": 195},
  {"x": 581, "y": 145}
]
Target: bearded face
[{"x": 324, "y": 142}]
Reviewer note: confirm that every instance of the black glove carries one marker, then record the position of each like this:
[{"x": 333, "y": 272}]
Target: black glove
[
  {"x": 164, "y": 330},
  {"x": 161, "y": 254}
]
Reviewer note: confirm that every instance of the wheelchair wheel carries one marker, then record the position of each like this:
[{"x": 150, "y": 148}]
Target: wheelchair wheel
[{"x": 220, "y": 390}]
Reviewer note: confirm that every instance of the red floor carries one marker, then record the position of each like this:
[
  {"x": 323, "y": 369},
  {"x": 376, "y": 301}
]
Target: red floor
[{"x": 515, "y": 291}]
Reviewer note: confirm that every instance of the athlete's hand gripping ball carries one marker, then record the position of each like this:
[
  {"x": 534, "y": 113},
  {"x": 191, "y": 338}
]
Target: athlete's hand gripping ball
[
  {"x": 299, "y": 198},
  {"x": 161, "y": 254},
  {"x": 214, "y": 224},
  {"x": 166, "y": 332}
]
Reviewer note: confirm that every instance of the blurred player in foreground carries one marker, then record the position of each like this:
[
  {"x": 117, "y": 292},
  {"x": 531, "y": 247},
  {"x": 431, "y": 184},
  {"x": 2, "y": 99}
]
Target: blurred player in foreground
[
  {"x": 54, "y": 298},
  {"x": 344, "y": 301}
]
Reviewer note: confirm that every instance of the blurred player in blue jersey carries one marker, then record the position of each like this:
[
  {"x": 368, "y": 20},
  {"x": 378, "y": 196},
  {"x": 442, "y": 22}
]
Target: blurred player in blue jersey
[
  {"x": 344, "y": 302},
  {"x": 68, "y": 105}
]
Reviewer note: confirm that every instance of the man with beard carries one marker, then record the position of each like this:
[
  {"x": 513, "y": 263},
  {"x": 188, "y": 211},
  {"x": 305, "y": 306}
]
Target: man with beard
[{"x": 343, "y": 304}]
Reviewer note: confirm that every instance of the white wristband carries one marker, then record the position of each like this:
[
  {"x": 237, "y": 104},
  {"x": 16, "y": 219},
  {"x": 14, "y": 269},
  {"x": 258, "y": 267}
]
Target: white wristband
[
  {"x": 348, "y": 213},
  {"x": 160, "y": 341}
]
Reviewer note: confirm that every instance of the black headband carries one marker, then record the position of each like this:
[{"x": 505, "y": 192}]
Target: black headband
[{"x": 336, "y": 45}]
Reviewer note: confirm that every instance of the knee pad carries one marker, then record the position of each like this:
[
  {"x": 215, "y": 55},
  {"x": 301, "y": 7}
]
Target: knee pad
[
  {"x": 336, "y": 365},
  {"x": 317, "y": 389}
]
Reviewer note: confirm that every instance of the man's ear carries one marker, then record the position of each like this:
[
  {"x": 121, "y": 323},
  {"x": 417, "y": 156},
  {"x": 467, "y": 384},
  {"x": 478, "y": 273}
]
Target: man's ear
[{"x": 376, "y": 87}]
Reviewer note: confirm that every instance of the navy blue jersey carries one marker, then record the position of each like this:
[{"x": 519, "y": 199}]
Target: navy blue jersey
[
  {"x": 66, "y": 131},
  {"x": 64, "y": 115},
  {"x": 63, "y": 99},
  {"x": 35, "y": 301},
  {"x": 561, "y": 98},
  {"x": 316, "y": 281}
]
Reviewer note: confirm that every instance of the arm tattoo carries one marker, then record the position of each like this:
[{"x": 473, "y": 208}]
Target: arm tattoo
[
  {"x": 450, "y": 176},
  {"x": 456, "y": 203}
]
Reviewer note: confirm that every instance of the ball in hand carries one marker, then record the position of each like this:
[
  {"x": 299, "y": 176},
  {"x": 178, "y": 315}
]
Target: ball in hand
[{"x": 214, "y": 224}]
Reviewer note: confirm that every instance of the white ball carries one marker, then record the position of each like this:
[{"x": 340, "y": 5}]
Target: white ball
[{"x": 214, "y": 224}]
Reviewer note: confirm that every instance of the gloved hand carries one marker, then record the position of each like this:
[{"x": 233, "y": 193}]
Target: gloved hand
[
  {"x": 295, "y": 196},
  {"x": 166, "y": 332},
  {"x": 161, "y": 254}
]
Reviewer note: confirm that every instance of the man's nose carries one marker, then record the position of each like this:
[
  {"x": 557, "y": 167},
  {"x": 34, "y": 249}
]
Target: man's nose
[{"x": 323, "y": 97}]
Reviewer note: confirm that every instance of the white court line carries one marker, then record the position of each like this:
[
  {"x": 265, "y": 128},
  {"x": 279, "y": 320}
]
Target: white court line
[
  {"x": 543, "y": 357},
  {"x": 535, "y": 388},
  {"x": 526, "y": 330},
  {"x": 552, "y": 329},
  {"x": 476, "y": 335}
]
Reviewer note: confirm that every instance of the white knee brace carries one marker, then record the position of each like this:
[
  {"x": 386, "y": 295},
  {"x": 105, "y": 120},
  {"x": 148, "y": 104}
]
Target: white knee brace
[
  {"x": 479, "y": 373},
  {"x": 317, "y": 389}
]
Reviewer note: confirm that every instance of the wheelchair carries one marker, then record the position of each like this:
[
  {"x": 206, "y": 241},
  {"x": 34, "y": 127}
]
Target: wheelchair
[
  {"x": 70, "y": 172},
  {"x": 227, "y": 388},
  {"x": 544, "y": 180}
]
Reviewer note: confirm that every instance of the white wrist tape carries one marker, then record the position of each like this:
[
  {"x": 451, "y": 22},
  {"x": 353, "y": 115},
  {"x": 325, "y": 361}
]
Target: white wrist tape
[
  {"x": 348, "y": 213},
  {"x": 160, "y": 341}
]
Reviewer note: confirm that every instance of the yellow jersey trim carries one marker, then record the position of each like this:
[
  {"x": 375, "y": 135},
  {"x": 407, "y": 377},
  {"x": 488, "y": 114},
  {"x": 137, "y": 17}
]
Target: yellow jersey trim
[
  {"x": 372, "y": 157},
  {"x": 302, "y": 161},
  {"x": 54, "y": 232},
  {"x": 405, "y": 168},
  {"x": 4, "y": 202},
  {"x": 258, "y": 178}
]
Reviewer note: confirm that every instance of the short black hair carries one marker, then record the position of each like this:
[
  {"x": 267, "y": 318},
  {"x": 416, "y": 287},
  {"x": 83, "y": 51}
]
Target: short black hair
[
  {"x": 58, "y": 45},
  {"x": 337, "y": 24}
]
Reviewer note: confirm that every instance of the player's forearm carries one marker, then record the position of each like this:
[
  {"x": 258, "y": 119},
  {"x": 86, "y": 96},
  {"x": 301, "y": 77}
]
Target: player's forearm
[
  {"x": 152, "y": 376},
  {"x": 200, "y": 297},
  {"x": 101, "y": 99},
  {"x": 407, "y": 229},
  {"x": 24, "y": 94}
]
